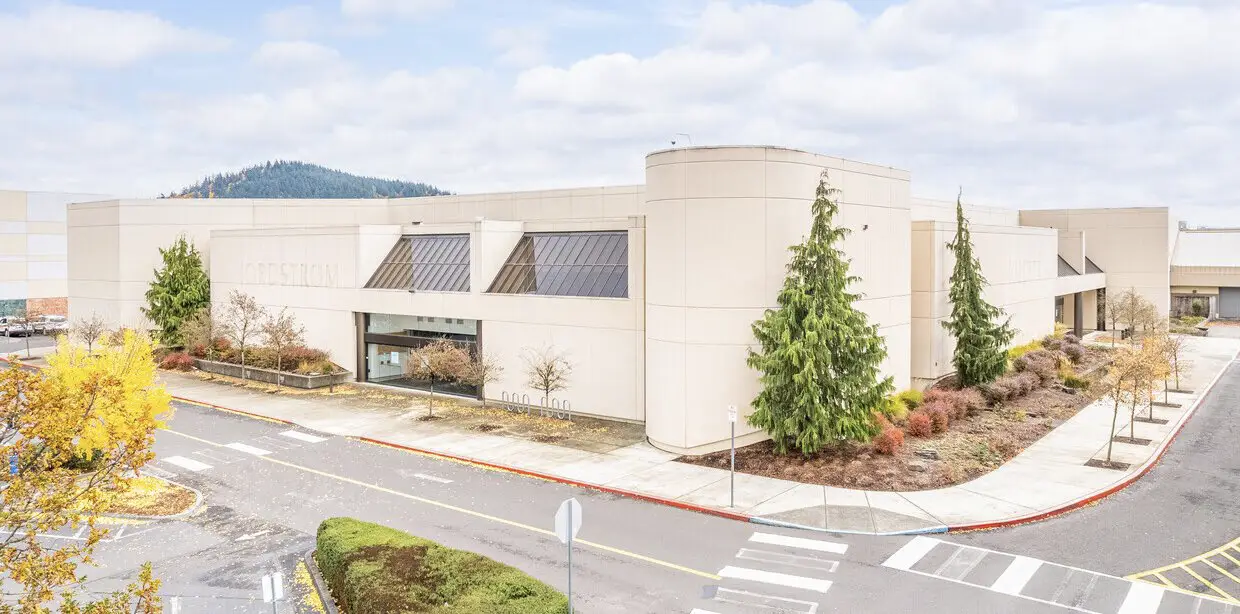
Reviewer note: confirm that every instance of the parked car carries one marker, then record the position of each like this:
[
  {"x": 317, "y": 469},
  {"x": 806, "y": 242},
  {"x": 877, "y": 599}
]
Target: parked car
[
  {"x": 50, "y": 325},
  {"x": 13, "y": 326}
]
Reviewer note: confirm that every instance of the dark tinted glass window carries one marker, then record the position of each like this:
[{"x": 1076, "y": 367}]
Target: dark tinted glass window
[
  {"x": 567, "y": 264},
  {"x": 427, "y": 263}
]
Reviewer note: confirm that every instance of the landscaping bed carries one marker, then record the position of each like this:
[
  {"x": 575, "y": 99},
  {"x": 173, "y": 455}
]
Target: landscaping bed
[
  {"x": 151, "y": 496},
  {"x": 372, "y": 569},
  {"x": 981, "y": 433}
]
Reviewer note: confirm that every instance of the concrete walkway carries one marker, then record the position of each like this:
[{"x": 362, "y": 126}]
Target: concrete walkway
[{"x": 1048, "y": 477}]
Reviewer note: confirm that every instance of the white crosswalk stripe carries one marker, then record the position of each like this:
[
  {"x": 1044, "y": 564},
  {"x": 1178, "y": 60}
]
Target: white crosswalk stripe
[
  {"x": 775, "y": 572},
  {"x": 771, "y": 577},
  {"x": 1030, "y": 579},
  {"x": 306, "y": 437},
  {"x": 248, "y": 449},
  {"x": 186, "y": 463}
]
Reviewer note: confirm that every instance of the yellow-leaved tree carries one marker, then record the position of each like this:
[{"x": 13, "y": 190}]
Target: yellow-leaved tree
[{"x": 71, "y": 438}]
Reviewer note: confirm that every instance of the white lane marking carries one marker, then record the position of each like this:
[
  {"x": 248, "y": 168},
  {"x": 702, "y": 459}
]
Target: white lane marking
[
  {"x": 748, "y": 599},
  {"x": 306, "y": 437},
  {"x": 186, "y": 463},
  {"x": 240, "y": 447},
  {"x": 423, "y": 476},
  {"x": 910, "y": 553},
  {"x": 1143, "y": 598},
  {"x": 770, "y": 577},
  {"x": 798, "y": 542},
  {"x": 79, "y": 533},
  {"x": 1016, "y": 576},
  {"x": 701, "y": 611},
  {"x": 248, "y": 536},
  {"x": 807, "y": 562}
]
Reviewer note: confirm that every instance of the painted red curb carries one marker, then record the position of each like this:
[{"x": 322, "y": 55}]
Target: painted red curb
[
  {"x": 555, "y": 478},
  {"x": 1098, "y": 496}
]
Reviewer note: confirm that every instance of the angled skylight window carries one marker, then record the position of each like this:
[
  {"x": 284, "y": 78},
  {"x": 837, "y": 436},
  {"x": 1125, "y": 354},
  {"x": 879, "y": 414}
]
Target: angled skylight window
[
  {"x": 425, "y": 263},
  {"x": 592, "y": 264}
]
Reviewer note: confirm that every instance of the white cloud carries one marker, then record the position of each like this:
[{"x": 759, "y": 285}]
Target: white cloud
[
  {"x": 291, "y": 22},
  {"x": 522, "y": 47},
  {"x": 82, "y": 36},
  {"x": 406, "y": 9},
  {"x": 1024, "y": 104},
  {"x": 286, "y": 54}
]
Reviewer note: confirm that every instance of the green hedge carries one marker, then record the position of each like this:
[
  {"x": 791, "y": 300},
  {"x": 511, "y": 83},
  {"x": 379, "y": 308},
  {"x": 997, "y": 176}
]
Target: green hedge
[{"x": 373, "y": 569}]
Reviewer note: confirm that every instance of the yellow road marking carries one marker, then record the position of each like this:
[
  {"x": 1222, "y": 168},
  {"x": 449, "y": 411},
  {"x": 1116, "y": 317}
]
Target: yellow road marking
[
  {"x": 1221, "y": 570},
  {"x": 1233, "y": 559},
  {"x": 1220, "y": 550},
  {"x": 1164, "y": 580},
  {"x": 476, "y": 514},
  {"x": 1206, "y": 582}
]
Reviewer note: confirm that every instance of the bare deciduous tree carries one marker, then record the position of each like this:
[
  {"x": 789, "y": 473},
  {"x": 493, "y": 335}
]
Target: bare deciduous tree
[
  {"x": 1123, "y": 385},
  {"x": 88, "y": 330},
  {"x": 441, "y": 361},
  {"x": 482, "y": 370},
  {"x": 281, "y": 331},
  {"x": 29, "y": 315},
  {"x": 243, "y": 320},
  {"x": 1175, "y": 354},
  {"x": 547, "y": 371}
]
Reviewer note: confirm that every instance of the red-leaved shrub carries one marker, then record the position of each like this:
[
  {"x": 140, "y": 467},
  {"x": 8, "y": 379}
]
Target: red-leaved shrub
[
  {"x": 177, "y": 361},
  {"x": 919, "y": 424},
  {"x": 956, "y": 401},
  {"x": 889, "y": 441},
  {"x": 1074, "y": 352},
  {"x": 971, "y": 399},
  {"x": 1042, "y": 363},
  {"x": 940, "y": 419},
  {"x": 881, "y": 421},
  {"x": 1028, "y": 382}
]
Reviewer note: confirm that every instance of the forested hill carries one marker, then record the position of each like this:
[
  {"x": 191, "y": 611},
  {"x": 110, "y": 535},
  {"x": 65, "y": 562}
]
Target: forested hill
[{"x": 281, "y": 179}]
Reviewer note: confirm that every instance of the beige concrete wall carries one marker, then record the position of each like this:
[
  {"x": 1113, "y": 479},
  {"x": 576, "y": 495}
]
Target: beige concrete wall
[
  {"x": 541, "y": 205},
  {"x": 1131, "y": 245},
  {"x": 1207, "y": 290},
  {"x": 1212, "y": 277},
  {"x": 601, "y": 337},
  {"x": 719, "y": 224},
  {"x": 34, "y": 244},
  {"x": 1020, "y": 265},
  {"x": 120, "y": 240}
]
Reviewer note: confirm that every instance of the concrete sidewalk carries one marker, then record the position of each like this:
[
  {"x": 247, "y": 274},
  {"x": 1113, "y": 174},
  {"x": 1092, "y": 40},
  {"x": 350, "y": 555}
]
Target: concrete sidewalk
[{"x": 1048, "y": 477}]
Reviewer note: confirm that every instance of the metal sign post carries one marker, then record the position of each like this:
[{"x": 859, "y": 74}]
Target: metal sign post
[
  {"x": 732, "y": 469},
  {"x": 273, "y": 589},
  {"x": 567, "y": 523}
]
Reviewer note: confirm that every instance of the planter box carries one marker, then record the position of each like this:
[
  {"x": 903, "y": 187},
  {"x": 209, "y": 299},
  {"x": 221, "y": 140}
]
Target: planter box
[{"x": 292, "y": 380}]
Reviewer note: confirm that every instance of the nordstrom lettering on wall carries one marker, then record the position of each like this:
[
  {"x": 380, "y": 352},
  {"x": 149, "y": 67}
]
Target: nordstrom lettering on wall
[{"x": 292, "y": 274}]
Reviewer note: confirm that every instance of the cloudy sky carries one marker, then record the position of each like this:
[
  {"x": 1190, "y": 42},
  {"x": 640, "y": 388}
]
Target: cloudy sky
[{"x": 1025, "y": 103}]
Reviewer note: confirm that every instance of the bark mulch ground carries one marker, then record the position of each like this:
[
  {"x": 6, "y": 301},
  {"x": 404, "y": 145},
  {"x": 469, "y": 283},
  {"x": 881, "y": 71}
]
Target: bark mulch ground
[{"x": 971, "y": 447}]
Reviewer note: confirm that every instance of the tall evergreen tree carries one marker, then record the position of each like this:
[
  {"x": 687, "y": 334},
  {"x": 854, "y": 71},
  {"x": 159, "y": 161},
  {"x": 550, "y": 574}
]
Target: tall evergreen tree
[
  {"x": 981, "y": 341},
  {"x": 179, "y": 289},
  {"x": 820, "y": 356}
]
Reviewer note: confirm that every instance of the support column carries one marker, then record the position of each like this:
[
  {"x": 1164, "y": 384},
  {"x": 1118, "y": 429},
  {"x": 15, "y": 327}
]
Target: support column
[{"x": 1078, "y": 314}]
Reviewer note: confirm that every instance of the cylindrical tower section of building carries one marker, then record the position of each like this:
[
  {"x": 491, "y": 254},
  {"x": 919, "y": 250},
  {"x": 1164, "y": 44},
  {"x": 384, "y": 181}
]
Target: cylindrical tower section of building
[{"x": 719, "y": 222}]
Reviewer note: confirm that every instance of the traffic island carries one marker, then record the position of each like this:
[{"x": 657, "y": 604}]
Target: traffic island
[
  {"x": 373, "y": 568},
  {"x": 152, "y": 497}
]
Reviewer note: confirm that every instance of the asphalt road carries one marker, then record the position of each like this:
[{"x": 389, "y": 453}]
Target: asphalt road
[
  {"x": 633, "y": 556},
  {"x": 17, "y": 345},
  {"x": 1186, "y": 505}
]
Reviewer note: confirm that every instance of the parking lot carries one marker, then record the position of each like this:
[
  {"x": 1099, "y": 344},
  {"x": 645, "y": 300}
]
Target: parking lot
[{"x": 17, "y": 345}]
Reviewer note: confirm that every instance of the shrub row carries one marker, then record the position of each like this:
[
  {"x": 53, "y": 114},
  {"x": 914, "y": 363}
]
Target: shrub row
[
  {"x": 373, "y": 569},
  {"x": 294, "y": 359}
]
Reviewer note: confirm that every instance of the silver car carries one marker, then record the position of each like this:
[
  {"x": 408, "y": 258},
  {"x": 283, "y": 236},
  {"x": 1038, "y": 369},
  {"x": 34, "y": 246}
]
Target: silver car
[{"x": 13, "y": 326}]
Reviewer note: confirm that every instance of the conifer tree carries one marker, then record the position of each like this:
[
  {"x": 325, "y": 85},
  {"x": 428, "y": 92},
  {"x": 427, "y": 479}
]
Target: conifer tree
[
  {"x": 179, "y": 289},
  {"x": 820, "y": 356},
  {"x": 981, "y": 342}
]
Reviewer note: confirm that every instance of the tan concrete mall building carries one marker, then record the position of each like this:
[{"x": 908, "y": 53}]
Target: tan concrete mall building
[{"x": 649, "y": 291}]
